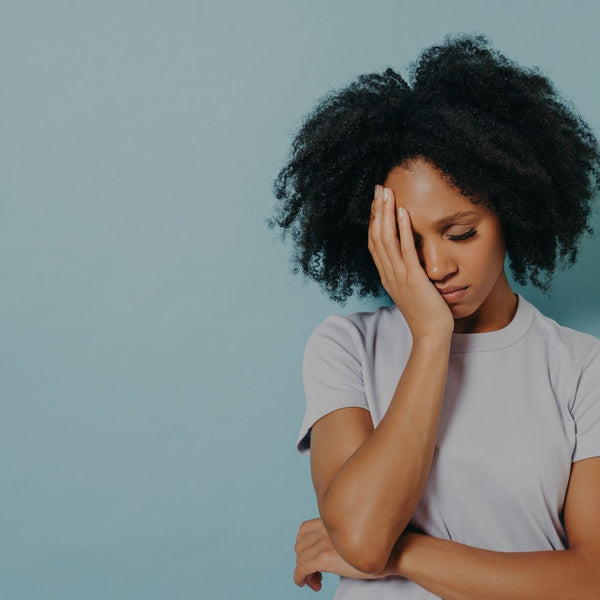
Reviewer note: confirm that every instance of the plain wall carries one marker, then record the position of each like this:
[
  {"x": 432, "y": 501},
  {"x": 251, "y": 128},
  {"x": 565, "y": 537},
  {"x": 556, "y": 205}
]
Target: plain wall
[{"x": 152, "y": 332}]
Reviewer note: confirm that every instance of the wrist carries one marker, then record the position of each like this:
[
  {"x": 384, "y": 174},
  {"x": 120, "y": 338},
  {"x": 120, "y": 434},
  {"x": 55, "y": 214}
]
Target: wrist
[
  {"x": 434, "y": 341},
  {"x": 399, "y": 562}
]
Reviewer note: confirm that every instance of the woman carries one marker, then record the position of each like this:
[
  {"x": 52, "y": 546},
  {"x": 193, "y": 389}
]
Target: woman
[{"x": 454, "y": 437}]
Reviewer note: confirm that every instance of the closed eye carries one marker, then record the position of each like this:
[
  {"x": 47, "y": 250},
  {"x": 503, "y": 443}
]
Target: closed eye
[
  {"x": 463, "y": 236},
  {"x": 454, "y": 238}
]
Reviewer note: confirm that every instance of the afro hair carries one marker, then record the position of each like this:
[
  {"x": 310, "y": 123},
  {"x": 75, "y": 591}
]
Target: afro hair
[{"x": 498, "y": 131}]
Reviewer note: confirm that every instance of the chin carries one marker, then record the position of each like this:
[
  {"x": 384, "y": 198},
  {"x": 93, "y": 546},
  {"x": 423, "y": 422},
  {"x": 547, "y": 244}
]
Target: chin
[{"x": 461, "y": 311}]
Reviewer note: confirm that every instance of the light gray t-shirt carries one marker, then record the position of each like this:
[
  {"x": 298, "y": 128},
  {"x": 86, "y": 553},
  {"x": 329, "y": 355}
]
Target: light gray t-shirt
[{"x": 520, "y": 405}]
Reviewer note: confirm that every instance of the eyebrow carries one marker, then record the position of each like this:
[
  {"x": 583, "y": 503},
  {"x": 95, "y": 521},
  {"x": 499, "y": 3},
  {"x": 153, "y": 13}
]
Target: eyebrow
[{"x": 456, "y": 216}]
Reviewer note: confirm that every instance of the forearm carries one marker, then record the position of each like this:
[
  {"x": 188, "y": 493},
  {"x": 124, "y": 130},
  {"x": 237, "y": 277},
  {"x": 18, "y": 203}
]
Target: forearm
[
  {"x": 373, "y": 496},
  {"x": 456, "y": 571}
]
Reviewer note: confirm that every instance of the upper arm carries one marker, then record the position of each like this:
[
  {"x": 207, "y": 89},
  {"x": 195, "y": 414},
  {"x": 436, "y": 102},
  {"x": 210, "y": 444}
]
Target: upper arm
[
  {"x": 338, "y": 418},
  {"x": 334, "y": 438},
  {"x": 582, "y": 511}
]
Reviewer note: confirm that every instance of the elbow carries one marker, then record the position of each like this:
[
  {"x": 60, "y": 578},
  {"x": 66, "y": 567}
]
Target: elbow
[
  {"x": 362, "y": 552},
  {"x": 364, "y": 555},
  {"x": 366, "y": 563}
]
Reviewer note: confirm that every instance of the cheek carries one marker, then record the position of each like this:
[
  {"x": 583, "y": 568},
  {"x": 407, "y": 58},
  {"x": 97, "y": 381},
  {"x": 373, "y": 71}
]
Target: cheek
[
  {"x": 485, "y": 257},
  {"x": 497, "y": 247}
]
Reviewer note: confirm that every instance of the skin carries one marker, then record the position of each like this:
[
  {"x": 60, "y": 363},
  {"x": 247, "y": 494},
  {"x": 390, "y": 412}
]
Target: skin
[
  {"x": 477, "y": 262},
  {"x": 414, "y": 254},
  {"x": 409, "y": 273}
]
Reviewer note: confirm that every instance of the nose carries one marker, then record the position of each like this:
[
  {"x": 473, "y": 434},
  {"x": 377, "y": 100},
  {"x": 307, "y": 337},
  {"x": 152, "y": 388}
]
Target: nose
[{"x": 436, "y": 260}]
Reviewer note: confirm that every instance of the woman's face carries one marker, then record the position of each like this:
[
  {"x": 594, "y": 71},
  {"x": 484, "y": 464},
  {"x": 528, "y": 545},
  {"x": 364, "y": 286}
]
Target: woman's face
[{"x": 475, "y": 262}]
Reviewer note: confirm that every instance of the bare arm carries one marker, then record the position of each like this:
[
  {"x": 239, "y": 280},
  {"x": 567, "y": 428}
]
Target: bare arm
[
  {"x": 459, "y": 572},
  {"x": 368, "y": 482},
  {"x": 374, "y": 494}
]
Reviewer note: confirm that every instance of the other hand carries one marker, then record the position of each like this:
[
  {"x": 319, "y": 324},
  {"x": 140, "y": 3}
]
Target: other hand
[{"x": 316, "y": 554}]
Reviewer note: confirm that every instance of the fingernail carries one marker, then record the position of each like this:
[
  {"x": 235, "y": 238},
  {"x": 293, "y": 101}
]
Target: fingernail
[
  {"x": 386, "y": 194},
  {"x": 377, "y": 190},
  {"x": 400, "y": 212}
]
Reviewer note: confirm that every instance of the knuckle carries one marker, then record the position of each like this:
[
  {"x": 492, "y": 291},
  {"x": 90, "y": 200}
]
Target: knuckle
[
  {"x": 306, "y": 525},
  {"x": 399, "y": 272}
]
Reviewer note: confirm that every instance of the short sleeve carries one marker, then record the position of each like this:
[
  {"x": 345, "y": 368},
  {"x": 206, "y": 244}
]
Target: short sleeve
[
  {"x": 331, "y": 372},
  {"x": 586, "y": 408}
]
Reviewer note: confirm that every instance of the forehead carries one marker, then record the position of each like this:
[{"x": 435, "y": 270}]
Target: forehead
[{"x": 427, "y": 195}]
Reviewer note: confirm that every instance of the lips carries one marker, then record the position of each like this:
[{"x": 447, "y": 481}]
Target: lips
[{"x": 449, "y": 290}]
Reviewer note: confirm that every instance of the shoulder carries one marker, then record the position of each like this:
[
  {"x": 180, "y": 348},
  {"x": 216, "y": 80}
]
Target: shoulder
[
  {"x": 361, "y": 329},
  {"x": 566, "y": 344},
  {"x": 572, "y": 361}
]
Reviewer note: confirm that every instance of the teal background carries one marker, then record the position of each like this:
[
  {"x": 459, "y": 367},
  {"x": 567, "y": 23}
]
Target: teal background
[{"x": 152, "y": 333}]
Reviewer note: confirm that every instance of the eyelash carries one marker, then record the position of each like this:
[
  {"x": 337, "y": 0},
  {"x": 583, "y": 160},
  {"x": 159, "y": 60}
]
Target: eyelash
[
  {"x": 457, "y": 238},
  {"x": 464, "y": 236}
]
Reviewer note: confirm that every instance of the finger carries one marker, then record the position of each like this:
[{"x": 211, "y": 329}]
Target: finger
[
  {"x": 372, "y": 218},
  {"x": 307, "y": 573},
  {"x": 306, "y": 540},
  {"x": 376, "y": 260},
  {"x": 378, "y": 253},
  {"x": 385, "y": 266},
  {"x": 314, "y": 581},
  {"x": 309, "y": 526},
  {"x": 309, "y": 534},
  {"x": 407, "y": 242},
  {"x": 298, "y": 577},
  {"x": 316, "y": 554},
  {"x": 389, "y": 230}
]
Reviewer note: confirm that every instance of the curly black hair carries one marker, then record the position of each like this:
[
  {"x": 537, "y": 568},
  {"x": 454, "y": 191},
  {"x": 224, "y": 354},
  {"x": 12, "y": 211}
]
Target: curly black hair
[{"x": 499, "y": 132}]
